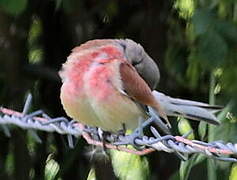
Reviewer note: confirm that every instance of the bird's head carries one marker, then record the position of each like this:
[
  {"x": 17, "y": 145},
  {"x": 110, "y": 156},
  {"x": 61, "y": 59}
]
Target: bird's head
[{"x": 143, "y": 63}]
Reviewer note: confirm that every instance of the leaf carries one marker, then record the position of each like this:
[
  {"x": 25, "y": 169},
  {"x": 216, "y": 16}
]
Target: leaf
[
  {"x": 91, "y": 175},
  {"x": 186, "y": 166},
  {"x": 51, "y": 169},
  {"x": 228, "y": 77},
  {"x": 202, "y": 129},
  {"x": 129, "y": 166},
  {"x": 193, "y": 71},
  {"x": 226, "y": 131},
  {"x": 211, "y": 170},
  {"x": 202, "y": 20},
  {"x": 185, "y": 127},
  {"x": 212, "y": 49},
  {"x": 185, "y": 8},
  {"x": 13, "y": 7},
  {"x": 10, "y": 163},
  {"x": 228, "y": 30},
  {"x": 233, "y": 173}
]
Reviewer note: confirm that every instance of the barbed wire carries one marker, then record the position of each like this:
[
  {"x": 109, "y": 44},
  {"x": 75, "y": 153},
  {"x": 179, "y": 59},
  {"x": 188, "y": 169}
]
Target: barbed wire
[{"x": 143, "y": 144}]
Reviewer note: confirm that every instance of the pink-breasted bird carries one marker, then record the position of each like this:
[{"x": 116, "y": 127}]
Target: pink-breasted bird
[{"x": 108, "y": 84}]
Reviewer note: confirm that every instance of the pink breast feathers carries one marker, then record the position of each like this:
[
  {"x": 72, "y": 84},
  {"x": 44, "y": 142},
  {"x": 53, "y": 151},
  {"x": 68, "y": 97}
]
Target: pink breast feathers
[{"x": 99, "y": 82}]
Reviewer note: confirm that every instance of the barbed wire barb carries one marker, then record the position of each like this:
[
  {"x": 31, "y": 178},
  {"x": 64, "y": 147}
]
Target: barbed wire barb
[{"x": 180, "y": 145}]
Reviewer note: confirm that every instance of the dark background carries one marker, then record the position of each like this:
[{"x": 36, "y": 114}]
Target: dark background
[{"x": 194, "y": 42}]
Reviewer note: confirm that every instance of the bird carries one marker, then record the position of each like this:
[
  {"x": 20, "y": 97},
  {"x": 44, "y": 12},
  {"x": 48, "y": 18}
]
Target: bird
[{"x": 110, "y": 84}]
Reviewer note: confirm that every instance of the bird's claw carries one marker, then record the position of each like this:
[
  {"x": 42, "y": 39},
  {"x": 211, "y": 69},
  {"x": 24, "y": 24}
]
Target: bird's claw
[
  {"x": 157, "y": 120},
  {"x": 130, "y": 139}
]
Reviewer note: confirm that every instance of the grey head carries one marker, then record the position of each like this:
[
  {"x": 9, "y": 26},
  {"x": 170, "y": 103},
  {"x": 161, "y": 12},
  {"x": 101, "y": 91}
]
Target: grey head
[{"x": 142, "y": 62}]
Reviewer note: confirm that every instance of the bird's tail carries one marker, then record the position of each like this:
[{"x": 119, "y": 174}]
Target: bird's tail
[{"x": 189, "y": 109}]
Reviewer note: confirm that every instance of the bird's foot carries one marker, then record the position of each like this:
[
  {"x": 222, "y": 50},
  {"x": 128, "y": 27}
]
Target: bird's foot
[
  {"x": 131, "y": 138},
  {"x": 157, "y": 120}
]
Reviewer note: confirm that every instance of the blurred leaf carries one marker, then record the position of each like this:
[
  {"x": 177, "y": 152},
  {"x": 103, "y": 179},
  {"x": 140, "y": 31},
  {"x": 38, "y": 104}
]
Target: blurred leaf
[
  {"x": 35, "y": 30},
  {"x": 212, "y": 88},
  {"x": 212, "y": 49},
  {"x": 193, "y": 70},
  {"x": 233, "y": 173},
  {"x": 202, "y": 20},
  {"x": 222, "y": 116},
  {"x": 228, "y": 78},
  {"x": 202, "y": 129},
  {"x": 129, "y": 166},
  {"x": 185, "y": 8},
  {"x": 211, "y": 169},
  {"x": 69, "y": 5},
  {"x": 51, "y": 169},
  {"x": 186, "y": 166},
  {"x": 35, "y": 56},
  {"x": 185, "y": 127},
  {"x": 228, "y": 30},
  {"x": 226, "y": 131},
  {"x": 91, "y": 175},
  {"x": 10, "y": 163},
  {"x": 13, "y": 7},
  {"x": 34, "y": 135}
]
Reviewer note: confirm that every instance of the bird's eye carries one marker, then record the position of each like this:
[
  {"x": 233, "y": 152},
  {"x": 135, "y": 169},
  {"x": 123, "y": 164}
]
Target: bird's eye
[
  {"x": 136, "y": 62},
  {"x": 123, "y": 46}
]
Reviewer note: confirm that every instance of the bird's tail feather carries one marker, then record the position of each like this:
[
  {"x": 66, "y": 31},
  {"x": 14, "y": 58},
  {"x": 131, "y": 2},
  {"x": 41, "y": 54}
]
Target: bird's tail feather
[{"x": 189, "y": 109}]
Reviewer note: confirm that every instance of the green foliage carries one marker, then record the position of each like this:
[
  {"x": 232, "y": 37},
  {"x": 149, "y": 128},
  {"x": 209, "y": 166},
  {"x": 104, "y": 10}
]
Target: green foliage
[
  {"x": 210, "y": 42},
  {"x": 185, "y": 8},
  {"x": 226, "y": 132},
  {"x": 10, "y": 163},
  {"x": 186, "y": 166},
  {"x": 13, "y": 7},
  {"x": 202, "y": 130},
  {"x": 212, "y": 49},
  {"x": 91, "y": 175},
  {"x": 212, "y": 35},
  {"x": 51, "y": 169},
  {"x": 184, "y": 127},
  {"x": 35, "y": 31},
  {"x": 233, "y": 173},
  {"x": 35, "y": 51},
  {"x": 129, "y": 166}
]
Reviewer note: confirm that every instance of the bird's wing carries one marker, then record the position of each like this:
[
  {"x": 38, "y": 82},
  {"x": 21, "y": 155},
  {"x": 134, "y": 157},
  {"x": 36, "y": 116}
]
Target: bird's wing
[
  {"x": 134, "y": 85},
  {"x": 137, "y": 89}
]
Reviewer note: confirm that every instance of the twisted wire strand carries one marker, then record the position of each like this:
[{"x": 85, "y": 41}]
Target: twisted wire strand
[{"x": 179, "y": 145}]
